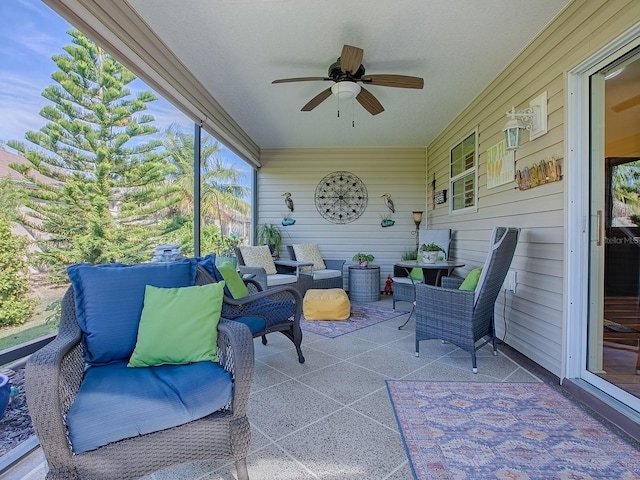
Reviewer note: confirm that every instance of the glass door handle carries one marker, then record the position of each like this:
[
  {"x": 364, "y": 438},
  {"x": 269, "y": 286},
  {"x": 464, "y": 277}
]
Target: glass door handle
[{"x": 600, "y": 227}]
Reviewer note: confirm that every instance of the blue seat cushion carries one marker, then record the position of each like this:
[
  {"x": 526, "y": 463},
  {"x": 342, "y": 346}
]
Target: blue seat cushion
[
  {"x": 273, "y": 311},
  {"x": 115, "y": 402},
  {"x": 109, "y": 300},
  {"x": 255, "y": 324}
]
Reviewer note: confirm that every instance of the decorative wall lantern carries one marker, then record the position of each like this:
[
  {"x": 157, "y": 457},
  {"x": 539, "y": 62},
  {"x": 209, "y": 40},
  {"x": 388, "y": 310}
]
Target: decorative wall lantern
[{"x": 533, "y": 119}]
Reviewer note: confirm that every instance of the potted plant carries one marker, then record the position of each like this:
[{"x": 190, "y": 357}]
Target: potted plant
[
  {"x": 269, "y": 234},
  {"x": 429, "y": 252},
  {"x": 363, "y": 259},
  {"x": 408, "y": 255}
]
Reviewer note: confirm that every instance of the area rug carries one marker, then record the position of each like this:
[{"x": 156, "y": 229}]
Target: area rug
[
  {"x": 459, "y": 430},
  {"x": 362, "y": 315}
]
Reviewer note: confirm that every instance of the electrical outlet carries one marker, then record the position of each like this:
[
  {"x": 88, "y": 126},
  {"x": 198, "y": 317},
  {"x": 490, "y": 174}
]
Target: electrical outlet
[{"x": 510, "y": 282}]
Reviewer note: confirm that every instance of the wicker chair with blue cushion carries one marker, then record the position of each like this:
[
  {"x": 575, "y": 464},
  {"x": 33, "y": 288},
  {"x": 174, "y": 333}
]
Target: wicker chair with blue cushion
[
  {"x": 327, "y": 273},
  {"x": 463, "y": 317},
  {"x": 404, "y": 284},
  {"x": 142, "y": 374},
  {"x": 276, "y": 309}
]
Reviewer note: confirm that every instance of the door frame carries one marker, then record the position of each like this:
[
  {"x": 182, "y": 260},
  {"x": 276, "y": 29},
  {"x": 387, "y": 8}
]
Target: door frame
[{"x": 577, "y": 222}]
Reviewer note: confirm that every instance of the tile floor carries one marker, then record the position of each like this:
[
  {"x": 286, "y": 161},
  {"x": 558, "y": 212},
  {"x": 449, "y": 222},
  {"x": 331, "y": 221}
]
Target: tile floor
[{"x": 331, "y": 418}]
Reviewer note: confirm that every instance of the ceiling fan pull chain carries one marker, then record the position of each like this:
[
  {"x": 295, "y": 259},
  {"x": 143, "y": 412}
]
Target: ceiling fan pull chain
[{"x": 353, "y": 113}]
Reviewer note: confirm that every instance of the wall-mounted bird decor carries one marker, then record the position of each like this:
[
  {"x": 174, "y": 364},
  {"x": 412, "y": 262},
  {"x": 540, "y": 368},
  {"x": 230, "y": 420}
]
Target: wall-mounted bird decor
[
  {"x": 388, "y": 202},
  {"x": 288, "y": 201}
]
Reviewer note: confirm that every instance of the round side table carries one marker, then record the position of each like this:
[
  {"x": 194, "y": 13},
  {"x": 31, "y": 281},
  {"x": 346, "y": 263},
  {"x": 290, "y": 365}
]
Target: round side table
[{"x": 364, "y": 283}]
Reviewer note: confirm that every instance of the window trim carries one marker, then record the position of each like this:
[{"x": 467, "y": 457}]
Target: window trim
[{"x": 473, "y": 171}]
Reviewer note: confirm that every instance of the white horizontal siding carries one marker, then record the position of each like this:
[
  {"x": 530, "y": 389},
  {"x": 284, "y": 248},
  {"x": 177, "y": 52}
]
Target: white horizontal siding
[
  {"x": 398, "y": 171},
  {"x": 533, "y": 317}
]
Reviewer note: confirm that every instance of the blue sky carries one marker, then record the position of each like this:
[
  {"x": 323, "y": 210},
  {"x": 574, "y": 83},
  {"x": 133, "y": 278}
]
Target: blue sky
[{"x": 30, "y": 34}]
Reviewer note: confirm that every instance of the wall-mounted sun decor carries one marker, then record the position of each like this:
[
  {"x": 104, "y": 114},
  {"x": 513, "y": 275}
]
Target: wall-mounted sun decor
[{"x": 341, "y": 197}]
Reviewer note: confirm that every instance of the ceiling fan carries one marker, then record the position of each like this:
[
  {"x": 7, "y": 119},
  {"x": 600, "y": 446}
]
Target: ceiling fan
[{"x": 346, "y": 73}]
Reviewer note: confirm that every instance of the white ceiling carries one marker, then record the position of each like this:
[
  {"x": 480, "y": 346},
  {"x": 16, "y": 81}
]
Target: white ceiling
[{"x": 236, "y": 48}]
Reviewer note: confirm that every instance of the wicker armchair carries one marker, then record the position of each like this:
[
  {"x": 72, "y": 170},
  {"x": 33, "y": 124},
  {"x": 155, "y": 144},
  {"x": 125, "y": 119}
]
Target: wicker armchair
[
  {"x": 465, "y": 317},
  {"x": 276, "y": 309},
  {"x": 330, "y": 277},
  {"x": 54, "y": 375}
]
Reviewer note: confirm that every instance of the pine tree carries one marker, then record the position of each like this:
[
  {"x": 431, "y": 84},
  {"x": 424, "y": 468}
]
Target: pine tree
[{"x": 110, "y": 181}]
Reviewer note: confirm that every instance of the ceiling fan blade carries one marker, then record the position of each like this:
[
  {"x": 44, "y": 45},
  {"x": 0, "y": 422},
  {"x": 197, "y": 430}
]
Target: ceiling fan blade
[
  {"x": 399, "y": 81},
  {"x": 317, "y": 100},
  {"x": 301, "y": 79},
  {"x": 350, "y": 59},
  {"x": 631, "y": 102},
  {"x": 369, "y": 102}
]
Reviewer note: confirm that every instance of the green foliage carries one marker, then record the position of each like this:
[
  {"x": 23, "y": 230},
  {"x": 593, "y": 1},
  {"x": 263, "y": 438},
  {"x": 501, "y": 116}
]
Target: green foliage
[
  {"x": 431, "y": 247},
  {"x": 15, "y": 305},
  {"x": 211, "y": 240},
  {"x": 106, "y": 182},
  {"x": 13, "y": 195},
  {"x": 54, "y": 312},
  {"x": 220, "y": 196},
  {"x": 409, "y": 254},
  {"x": 270, "y": 234},
  {"x": 363, "y": 257}
]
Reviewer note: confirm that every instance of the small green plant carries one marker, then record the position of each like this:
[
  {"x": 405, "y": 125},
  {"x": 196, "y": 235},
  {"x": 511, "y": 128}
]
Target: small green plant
[
  {"x": 363, "y": 258},
  {"x": 409, "y": 254},
  {"x": 269, "y": 234},
  {"x": 431, "y": 247}
]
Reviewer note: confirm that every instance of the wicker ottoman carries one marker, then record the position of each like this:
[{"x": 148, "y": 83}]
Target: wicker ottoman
[{"x": 326, "y": 304}]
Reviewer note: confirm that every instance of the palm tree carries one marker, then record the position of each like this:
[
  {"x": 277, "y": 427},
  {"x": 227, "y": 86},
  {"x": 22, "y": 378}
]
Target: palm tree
[
  {"x": 221, "y": 194},
  {"x": 625, "y": 187}
]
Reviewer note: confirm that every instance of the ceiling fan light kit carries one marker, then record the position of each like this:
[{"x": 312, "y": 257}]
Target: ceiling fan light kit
[
  {"x": 346, "y": 90},
  {"x": 347, "y": 73}
]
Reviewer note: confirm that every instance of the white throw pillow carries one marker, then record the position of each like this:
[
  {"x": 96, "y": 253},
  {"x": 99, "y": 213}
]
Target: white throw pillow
[
  {"x": 259, "y": 257},
  {"x": 309, "y": 253}
]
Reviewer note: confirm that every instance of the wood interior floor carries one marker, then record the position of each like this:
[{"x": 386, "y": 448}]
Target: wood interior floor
[{"x": 621, "y": 346}]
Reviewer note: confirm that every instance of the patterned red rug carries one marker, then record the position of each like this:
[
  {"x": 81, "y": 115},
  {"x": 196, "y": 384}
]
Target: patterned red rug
[
  {"x": 362, "y": 315},
  {"x": 517, "y": 431}
]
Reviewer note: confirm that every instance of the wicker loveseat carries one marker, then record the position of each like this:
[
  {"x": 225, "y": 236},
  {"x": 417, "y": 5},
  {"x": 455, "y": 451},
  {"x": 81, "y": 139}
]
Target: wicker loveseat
[
  {"x": 81, "y": 400},
  {"x": 256, "y": 262},
  {"x": 327, "y": 273}
]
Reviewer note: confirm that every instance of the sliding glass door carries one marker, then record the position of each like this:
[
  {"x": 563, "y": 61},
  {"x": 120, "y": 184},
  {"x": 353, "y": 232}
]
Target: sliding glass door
[{"x": 613, "y": 334}]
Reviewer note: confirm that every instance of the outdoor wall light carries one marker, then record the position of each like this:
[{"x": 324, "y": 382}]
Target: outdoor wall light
[
  {"x": 518, "y": 121},
  {"x": 533, "y": 119}
]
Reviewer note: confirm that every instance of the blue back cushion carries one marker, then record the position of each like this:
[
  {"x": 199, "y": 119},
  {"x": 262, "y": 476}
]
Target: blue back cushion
[
  {"x": 208, "y": 262},
  {"x": 109, "y": 300},
  {"x": 156, "y": 398}
]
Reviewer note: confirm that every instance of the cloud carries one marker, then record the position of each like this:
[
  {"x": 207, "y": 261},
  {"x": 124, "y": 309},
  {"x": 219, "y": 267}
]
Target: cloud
[{"x": 20, "y": 105}]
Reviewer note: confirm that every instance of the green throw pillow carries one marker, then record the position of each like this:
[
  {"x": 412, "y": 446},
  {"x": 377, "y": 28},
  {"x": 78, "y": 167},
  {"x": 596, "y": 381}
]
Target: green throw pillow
[
  {"x": 471, "y": 282},
  {"x": 416, "y": 274},
  {"x": 237, "y": 288},
  {"x": 178, "y": 325}
]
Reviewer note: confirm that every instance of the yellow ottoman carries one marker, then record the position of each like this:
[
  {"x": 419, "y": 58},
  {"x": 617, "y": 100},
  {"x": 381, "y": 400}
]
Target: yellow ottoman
[{"x": 326, "y": 304}]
